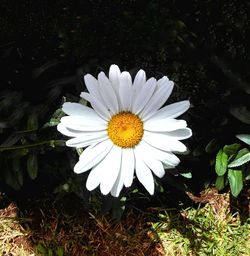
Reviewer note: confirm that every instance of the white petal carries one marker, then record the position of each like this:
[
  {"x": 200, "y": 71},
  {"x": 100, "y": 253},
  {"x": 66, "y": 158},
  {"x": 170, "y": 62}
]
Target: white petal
[
  {"x": 80, "y": 123},
  {"x": 128, "y": 166},
  {"x": 166, "y": 166},
  {"x": 84, "y": 141},
  {"x": 107, "y": 93},
  {"x": 77, "y": 109},
  {"x": 180, "y": 134},
  {"x": 92, "y": 86},
  {"x": 125, "y": 91},
  {"x": 65, "y": 131},
  {"x": 94, "y": 177},
  {"x": 92, "y": 155},
  {"x": 154, "y": 164},
  {"x": 143, "y": 173},
  {"x": 143, "y": 96},
  {"x": 140, "y": 80},
  {"x": 172, "y": 111},
  {"x": 98, "y": 105},
  {"x": 163, "y": 156},
  {"x": 163, "y": 142},
  {"x": 110, "y": 166},
  {"x": 164, "y": 125},
  {"x": 86, "y": 96},
  {"x": 116, "y": 189},
  {"x": 71, "y": 132},
  {"x": 114, "y": 77},
  {"x": 162, "y": 82},
  {"x": 158, "y": 99}
]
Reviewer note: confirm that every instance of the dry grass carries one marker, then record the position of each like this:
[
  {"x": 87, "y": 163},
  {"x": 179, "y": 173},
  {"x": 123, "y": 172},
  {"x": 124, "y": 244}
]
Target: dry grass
[
  {"x": 14, "y": 240},
  {"x": 65, "y": 229},
  {"x": 93, "y": 235},
  {"x": 49, "y": 228}
]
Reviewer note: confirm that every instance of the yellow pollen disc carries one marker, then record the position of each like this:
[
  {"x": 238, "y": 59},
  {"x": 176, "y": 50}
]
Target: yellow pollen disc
[{"x": 125, "y": 129}]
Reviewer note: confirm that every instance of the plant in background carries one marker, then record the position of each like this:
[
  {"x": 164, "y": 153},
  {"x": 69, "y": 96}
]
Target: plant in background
[
  {"x": 232, "y": 161},
  {"x": 204, "y": 58},
  {"x": 127, "y": 132},
  {"x": 232, "y": 165},
  {"x": 24, "y": 140}
]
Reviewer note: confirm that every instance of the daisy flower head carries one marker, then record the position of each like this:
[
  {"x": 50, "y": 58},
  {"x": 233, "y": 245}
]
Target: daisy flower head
[{"x": 127, "y": 132}]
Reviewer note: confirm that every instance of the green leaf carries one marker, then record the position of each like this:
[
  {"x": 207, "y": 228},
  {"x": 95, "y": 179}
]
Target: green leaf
[
  {"x": 62, "y": 188},
  {"x": 32, "y": 122},
  {"x": 247, "y": 173},
  {"x": 50, "y": 252},
  {"x": 59, "y": 251},
  {"x": 32, "y": 165},
  {"x": 212, "y": 146},
  {"x": 11, "y": 140},
  {"x": 79, "y": 151},
  {"x": 17, "y": 172},
  {"x": 55, "y": 119},
  {"x": 10, "y": 180},
  {"x": 241, "y": 113},
  {"x": 187, "y": 175},
  {"x": 235, "y": 181},
  {"x": 16, "y": 152},
  {"x": 219, "y": 183},
  {"x": 221, "y": 163},
  {"x": 118, "y": 209},
  {"x": 244, "y": 137},
  {"x": 41, "y": 249},
  {"x": 198, "y": 151},
  {"x": 14, "y": 176},
  {"x": 231, "y": 149},
  {"x": 240, "y": 160},
  {"x": 241, "y": 153},
  {"x": 83, "y": 102}
]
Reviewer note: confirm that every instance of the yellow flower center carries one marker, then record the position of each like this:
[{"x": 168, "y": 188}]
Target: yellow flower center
[{"x": 125, "y": 129}]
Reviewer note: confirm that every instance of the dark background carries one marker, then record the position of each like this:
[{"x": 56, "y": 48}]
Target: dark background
[{"x": 47, "y": 46}]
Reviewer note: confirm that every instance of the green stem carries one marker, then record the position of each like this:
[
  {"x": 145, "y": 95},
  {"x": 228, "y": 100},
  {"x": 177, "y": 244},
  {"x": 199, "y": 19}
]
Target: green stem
[
  {"x": 52, "y": 143},
  {"x": 26, "y": 131}
]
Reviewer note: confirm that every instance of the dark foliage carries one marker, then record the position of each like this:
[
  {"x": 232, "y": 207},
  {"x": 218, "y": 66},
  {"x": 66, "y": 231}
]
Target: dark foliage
[{"x": 46, "y": 48}]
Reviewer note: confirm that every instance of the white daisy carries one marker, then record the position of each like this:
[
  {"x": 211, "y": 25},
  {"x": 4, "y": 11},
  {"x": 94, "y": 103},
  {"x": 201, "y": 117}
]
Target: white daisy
[{"x": 126, "y": 132}]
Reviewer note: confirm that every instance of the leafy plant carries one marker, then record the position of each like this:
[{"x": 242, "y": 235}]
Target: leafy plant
[
  {"x": 232, "y": 165},
  {"x": 47, "y": 250},
  {"x": 24, "y": 138}
]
